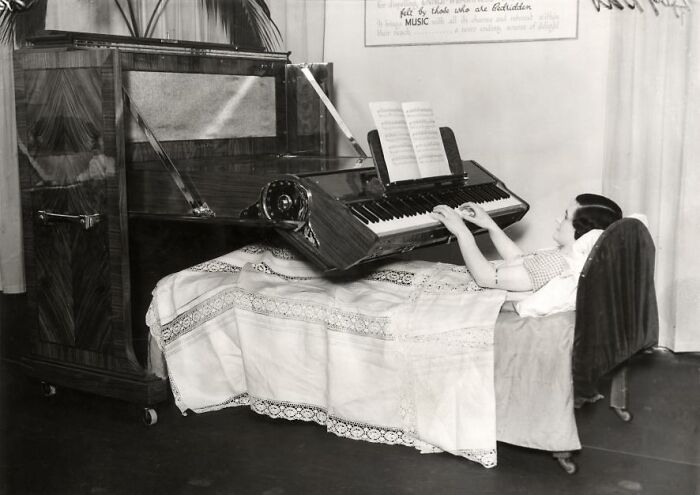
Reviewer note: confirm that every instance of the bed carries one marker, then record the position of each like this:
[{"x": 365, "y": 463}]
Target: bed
[{"x": 403, "y": 352}]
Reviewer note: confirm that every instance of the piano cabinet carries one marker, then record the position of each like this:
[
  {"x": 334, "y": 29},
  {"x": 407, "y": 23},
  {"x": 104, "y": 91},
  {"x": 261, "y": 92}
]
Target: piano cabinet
[{"x": 103, "y": 219}]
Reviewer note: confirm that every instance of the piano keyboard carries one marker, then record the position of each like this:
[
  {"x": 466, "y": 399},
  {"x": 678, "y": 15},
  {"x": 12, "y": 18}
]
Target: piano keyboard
[
  {"x": 340, "y": 218},
  {"x": 409, "y": 212}
]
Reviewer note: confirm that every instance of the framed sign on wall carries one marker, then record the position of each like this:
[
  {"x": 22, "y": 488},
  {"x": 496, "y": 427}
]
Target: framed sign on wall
[{"x": 428, "y": 22}]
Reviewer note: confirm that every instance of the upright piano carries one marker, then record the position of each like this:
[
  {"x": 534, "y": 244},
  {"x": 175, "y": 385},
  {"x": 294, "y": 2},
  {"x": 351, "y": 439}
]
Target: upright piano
[
  {"x": 141, "y": 157},
  {"x": 119, "y": 139}
]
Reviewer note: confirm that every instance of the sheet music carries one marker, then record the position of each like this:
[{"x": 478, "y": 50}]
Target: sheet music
[
  {"x": 411, "y": 140},
  {"x": 426, "y": 139},
  {"x": 399, "y": 155}
]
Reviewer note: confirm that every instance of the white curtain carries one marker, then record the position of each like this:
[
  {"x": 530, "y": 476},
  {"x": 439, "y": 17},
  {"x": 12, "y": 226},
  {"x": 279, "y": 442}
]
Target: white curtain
[
  {"x": 653, "y": 154},
  {"x": 180, "y": 19},
  {"x": 302, "y": 24},
  {"x": 11, "y": 263}
]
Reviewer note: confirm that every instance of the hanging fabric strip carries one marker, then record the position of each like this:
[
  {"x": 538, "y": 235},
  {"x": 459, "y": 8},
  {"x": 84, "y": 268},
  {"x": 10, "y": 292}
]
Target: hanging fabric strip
[
  {"x": 331, "y": 108},
  {"x": 199, "y": 207}
]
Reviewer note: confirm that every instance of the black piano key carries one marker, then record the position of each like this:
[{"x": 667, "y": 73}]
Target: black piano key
[
  {"x": 451, "y": 199},
  {"x": 500, "y": 193},
  {"x": 390, "y": 208},
  {"x": 434, "y": 200},
  {"x": 421, "y": 203},
  {"x": 483, "y": 195},
  {"x": 355, "y": 211},
  {"x": 429, "y": 201},
  {"x": 464, "y": 196},
  {"x": 368, "y": 213},
  {"x": 397, "y": 206},
  {"x": 390, "y": 214},
  {"x": 380, "y": 212},
  {"x": 467, "y": 195},
  {"x": 416, "y": 207},
  {"x": 491, "y": 192},
  {"x": 401, "y": 203},
  {"x": 479, "y": 195}
]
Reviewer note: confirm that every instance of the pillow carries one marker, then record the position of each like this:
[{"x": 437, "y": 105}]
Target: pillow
[{"x": 559, "y": 294}]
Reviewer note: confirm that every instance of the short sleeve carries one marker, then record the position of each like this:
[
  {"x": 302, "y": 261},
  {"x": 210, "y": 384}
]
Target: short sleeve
[{"x": 543, "y": 266}]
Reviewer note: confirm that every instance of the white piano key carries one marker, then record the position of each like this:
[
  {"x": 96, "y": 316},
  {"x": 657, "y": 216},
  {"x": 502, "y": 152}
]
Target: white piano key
[{"x": 425, "y": 220}]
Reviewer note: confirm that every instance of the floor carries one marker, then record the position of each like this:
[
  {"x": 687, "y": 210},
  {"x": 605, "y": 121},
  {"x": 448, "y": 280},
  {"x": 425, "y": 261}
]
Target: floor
[{"x": 75, "y": 443}]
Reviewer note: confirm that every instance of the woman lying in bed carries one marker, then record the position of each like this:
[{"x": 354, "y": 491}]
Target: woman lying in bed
[{"x": 521, "y": 272}]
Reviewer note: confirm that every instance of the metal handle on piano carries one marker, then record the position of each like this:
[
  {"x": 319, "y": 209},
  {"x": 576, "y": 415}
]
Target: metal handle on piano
[{"x": 86, "y": 221}]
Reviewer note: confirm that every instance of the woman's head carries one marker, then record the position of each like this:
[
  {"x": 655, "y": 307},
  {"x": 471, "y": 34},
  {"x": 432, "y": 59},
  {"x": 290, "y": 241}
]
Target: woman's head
[{"x": 587, "y": 212}]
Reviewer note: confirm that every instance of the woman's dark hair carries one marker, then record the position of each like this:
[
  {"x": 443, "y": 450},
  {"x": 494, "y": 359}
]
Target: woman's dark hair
[{"x": 594, "y": 212}]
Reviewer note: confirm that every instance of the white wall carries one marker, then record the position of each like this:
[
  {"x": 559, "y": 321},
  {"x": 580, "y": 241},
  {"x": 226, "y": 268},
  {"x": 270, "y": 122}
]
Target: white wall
[{"x": 532, "y": 113}]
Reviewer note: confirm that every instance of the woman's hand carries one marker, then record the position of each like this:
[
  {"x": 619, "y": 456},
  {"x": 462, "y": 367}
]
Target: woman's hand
[
  {"x": 450, "y": 219},
  {"x": 473, "y": 213}
]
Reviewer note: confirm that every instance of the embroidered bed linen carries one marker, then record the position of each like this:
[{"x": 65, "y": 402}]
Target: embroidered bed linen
[{"x": 401, "y": 354}]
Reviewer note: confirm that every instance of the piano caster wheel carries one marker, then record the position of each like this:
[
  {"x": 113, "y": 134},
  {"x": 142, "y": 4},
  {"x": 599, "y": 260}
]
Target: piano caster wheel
[
  {"x": 47, "y": 389},
  {"x": 150, "y": 416},
  {"x": 566, "y": 462},
  {"x": 623, "y": 414}
]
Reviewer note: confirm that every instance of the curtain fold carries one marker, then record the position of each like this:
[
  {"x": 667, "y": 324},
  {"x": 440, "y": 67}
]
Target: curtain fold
[
  {"x": 180, "y": 19},
  {"x": 302, "y": 25},
  {"x": 652, "y": 153},
  {"x": 11, "y": 262}
]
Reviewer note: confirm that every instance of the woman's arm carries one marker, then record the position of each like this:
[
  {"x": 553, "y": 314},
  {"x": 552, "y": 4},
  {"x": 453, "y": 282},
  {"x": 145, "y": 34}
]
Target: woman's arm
[
  {"x": 507, "y": 249},
  {"x": 510, "y": 276}
]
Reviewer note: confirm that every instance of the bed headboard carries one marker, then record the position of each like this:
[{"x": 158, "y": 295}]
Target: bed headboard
[{"x": 616, "y": 312}]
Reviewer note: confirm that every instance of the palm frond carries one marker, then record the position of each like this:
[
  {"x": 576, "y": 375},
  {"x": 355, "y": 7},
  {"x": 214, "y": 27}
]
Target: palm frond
[
  {"x": 155, "y": 15},
  {"x": 247, "y": 23},
  {"x": 132, "y": 29},
  {"x": 20, "y": 19}
]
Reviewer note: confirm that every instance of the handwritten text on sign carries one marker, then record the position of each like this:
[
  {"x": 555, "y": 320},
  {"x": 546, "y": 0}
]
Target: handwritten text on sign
[{"x": 418, "y": 22}]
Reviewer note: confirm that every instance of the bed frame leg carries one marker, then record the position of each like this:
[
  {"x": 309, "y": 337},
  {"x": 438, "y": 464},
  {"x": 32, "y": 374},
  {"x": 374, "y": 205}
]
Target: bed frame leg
[
  {"x": 566, "y": 462},
  {"x": 619, "y": 394}
]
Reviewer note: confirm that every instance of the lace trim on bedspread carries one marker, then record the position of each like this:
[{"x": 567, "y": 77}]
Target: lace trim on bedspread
[
  {"x": 436, "y": 284},
  {"x": 216, "y": 266},
  {"x": 276, "y": 251},
  {"x": 265, "y": 268},
  {"x": 345, "y": 428},
  {"x": 335, "y": 319},
  {"x": 398, "y": 277}
]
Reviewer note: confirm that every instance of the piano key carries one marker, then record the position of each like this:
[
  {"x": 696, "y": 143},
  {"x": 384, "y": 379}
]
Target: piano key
[
  {"x": 376, "y": 211},
  {"x": 425, "y": 221},
  {"x": 367, "y": 213},
  {"x": 388, "y": 206},
  {"x": 356, "y": 212}
]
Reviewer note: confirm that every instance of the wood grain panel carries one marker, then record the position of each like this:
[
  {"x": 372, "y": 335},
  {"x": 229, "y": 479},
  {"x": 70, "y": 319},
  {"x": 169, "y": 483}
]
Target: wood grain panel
[
  {"x": 72, "y": 269},
  {"x": 53, "y": 59},
  {"x": 343, "y": 240}
]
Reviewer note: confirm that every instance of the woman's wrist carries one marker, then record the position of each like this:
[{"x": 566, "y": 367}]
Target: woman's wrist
[
  {"x": 493, "y": 227},
  {"x": 464, "y": 235}
]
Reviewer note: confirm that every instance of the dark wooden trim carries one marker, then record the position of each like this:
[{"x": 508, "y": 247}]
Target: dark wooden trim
[
  {"x": 147, "y": 390},
  {"x": 56, "y": 59}
]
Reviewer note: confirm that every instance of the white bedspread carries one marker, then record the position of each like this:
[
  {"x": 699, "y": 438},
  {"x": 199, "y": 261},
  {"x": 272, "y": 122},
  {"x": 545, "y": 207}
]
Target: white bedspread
[{"x": 402, "y": 354}]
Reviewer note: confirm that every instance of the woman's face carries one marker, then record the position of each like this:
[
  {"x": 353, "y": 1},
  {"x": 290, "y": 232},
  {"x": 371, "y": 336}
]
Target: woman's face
[{"x": 564, "y": 233}]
